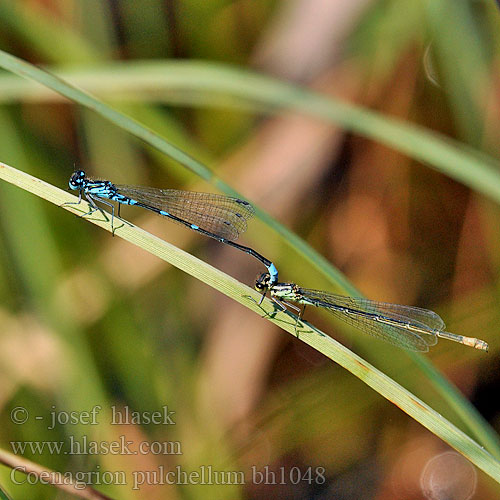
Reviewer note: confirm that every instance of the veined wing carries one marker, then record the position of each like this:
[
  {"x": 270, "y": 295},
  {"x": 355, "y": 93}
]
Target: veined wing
[
  {"x": 421, "y": 318},
  {"x": 390, "y": 322},
  {"x": 223, "y": 215}
]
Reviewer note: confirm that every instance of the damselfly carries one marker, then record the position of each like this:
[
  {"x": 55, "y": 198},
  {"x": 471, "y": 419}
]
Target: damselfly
[
  {"x": 217, "y": 216},
  {"x": 411, "y": 328}
]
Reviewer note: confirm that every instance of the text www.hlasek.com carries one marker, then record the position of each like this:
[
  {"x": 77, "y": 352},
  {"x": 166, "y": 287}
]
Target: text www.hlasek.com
[{"x": 85, "y": 446}]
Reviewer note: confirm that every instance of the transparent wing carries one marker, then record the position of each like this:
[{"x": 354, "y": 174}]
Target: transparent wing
[
  {"x": 422, "y": 318},
  {"x": 368, "y": 316},
  {"x": 219, "y": 214}
]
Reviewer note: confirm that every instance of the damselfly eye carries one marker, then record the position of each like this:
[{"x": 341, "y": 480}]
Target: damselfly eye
[
  {"x": 76, "y": 180},
  {"x": 262, "y": 282}
]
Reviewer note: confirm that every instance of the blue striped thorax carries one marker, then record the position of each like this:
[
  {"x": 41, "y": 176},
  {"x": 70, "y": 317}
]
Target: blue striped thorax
[{"x": 103, "y": 189}]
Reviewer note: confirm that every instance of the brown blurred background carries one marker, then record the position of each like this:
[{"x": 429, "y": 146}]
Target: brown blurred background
[{"x": 88, "y": 319}]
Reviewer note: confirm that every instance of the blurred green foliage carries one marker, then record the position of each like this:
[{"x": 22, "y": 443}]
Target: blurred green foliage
[{"x": 88, "y": 320}]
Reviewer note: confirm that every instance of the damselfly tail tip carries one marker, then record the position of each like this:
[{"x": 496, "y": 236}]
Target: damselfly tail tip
[{"x": 476, "y": 343}]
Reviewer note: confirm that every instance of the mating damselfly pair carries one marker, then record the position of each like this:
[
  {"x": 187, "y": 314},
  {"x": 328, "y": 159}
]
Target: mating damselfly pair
[{"x": 224, "y": 218}]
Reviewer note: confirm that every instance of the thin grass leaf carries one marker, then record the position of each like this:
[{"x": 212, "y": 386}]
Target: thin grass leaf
[
  {"x": 317, "y": 339},
  {"x": 410, "y": 139},
  {"x": 209, "y": 84},
  {"x": 3, "y": 495},
  {"x": 21, "y": 465}
]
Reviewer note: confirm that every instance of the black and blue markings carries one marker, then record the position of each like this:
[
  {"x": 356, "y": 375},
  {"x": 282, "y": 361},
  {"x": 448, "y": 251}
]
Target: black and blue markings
[
  {"x": 220, "y": 217},
  {"x": 408, "y": 327}
]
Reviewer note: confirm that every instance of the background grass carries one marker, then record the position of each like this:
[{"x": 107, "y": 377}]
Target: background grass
[{"x": 101, "y": 322}]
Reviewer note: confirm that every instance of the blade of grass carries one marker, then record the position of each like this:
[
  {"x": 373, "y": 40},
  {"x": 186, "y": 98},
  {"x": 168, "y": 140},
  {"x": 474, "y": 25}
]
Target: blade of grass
[
  {"x": 3, "y": 495},
  {"x": 46, "y": 476},
  {"x": 477, "y": 171},
  {"x": 198, "y": 83},
  {"x": 239, "y": 292},
  {"x": 296, "y": 98}
]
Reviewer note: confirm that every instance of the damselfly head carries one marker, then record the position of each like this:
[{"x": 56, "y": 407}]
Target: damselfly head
[
  {"x": 262, "y": 282},
  {"x": 76, "y": 180}
]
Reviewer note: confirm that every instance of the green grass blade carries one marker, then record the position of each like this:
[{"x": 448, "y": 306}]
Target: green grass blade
[
  {"x": 21, "y": 465},
  {"x": 320, "y": 341},
  {"x": 181, "y": 80},
  {"x": 3, "y": 495},
  {"x": 410, "y": 139},
  {"x": 22, "y": 68},
  {"x": 477, "y": 171}
]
